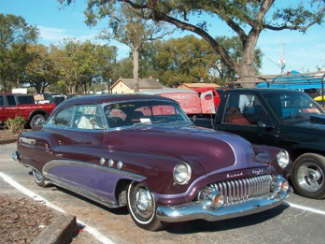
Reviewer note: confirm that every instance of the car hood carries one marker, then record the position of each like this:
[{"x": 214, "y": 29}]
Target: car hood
[
  {"x": 316, "y": 124},
  {"x": 213, "y": 150}
]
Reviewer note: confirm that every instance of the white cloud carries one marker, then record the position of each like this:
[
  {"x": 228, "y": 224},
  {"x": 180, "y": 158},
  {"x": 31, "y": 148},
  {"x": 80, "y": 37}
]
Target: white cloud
[{"x": 51, "y": 34}]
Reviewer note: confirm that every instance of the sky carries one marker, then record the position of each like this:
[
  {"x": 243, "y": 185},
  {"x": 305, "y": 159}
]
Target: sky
[{"x": 302, "y": 52}]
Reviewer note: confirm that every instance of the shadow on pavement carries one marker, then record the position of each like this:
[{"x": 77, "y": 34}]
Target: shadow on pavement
[{"x": 205, "y": 226}]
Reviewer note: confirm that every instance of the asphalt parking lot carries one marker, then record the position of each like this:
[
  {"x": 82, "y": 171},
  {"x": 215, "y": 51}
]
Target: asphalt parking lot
[{"x": 302, "y": 222}]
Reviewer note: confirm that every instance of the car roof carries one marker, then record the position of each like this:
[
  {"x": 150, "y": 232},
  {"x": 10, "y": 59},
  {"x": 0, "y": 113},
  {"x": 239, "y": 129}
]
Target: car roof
[{"x": 97, "y": 99}]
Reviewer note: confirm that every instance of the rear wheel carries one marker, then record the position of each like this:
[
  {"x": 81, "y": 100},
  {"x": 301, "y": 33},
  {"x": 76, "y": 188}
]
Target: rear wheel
[
  {"x": 37, "y": 121},
  {"x": 142, "y": 207},
  {"x": 309, "y": 175},
  {"x": 39, "y": 177}
]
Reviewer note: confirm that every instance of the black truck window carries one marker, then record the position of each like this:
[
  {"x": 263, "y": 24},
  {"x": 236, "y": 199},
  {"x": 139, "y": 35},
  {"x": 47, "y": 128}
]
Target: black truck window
[
  {"x": 11, "y": 100},
  {"x": 25, "y": 100},
  {"x": 245, "y": 109}
]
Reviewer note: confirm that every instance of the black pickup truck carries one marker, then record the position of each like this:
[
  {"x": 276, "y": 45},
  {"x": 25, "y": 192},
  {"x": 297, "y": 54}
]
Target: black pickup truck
[{"x": 282, "y": 118}]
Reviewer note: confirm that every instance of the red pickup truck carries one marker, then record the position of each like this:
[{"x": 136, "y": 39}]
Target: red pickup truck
[{"x": 12, "y": 105}]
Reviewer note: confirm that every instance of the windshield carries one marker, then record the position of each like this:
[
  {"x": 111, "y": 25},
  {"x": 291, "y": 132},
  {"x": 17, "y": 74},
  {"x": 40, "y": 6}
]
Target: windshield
[
  {"x": 144, "y": 113},
  {"x": 293, "y": 106}
]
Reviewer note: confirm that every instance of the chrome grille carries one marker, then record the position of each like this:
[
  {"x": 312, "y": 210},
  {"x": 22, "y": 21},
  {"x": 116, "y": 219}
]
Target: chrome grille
[{"x": 242, "y": 190}]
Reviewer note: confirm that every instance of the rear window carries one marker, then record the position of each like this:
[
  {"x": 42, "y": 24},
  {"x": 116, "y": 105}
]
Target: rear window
[
  {"x": 25, "y": 100},
  {"x": 1, "y": 101}
]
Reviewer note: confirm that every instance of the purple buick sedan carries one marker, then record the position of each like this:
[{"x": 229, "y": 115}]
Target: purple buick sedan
[{"x": 143, "y": 152}]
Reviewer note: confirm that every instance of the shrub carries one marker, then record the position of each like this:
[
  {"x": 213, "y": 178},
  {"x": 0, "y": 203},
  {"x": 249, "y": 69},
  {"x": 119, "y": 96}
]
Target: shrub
[{"x": 16, "y": 124}]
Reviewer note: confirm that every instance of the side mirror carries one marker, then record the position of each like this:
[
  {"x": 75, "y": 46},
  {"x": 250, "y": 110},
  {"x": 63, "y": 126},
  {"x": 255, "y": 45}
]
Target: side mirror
[{"x": 264, "y": 125}]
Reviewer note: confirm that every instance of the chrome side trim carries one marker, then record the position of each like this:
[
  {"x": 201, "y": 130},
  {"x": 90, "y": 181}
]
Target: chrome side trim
[{"x": 62, "y": 162}]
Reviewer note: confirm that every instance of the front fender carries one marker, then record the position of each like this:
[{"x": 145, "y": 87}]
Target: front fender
[{"x": 268, "y": 155}]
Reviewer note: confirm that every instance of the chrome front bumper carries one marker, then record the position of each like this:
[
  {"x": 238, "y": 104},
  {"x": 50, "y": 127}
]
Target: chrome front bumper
[{"x": 203, "y": 210}]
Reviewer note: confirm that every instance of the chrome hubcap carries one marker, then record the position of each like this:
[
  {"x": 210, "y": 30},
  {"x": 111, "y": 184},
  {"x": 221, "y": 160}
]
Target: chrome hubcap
[
  {"x": 310, "y": 177},
  {"x": 39, "y": 121},
  {"x": 38, "y": 175},
  {"x": 143, "y": 203}
]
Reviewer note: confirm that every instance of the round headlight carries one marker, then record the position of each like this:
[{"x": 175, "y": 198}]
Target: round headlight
[
  {"x": 182, "y": 173},
  {"x": 283, "y": 159}
]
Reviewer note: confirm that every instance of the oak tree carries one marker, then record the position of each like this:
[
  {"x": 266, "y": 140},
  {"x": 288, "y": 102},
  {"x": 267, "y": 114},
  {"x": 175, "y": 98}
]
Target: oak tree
[
  {"x": 246, "y": 18},
  {"x": 15, "y": 35}
]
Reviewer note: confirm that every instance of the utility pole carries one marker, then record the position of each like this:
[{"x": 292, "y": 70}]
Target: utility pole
[{"x": 282, "y": 60}]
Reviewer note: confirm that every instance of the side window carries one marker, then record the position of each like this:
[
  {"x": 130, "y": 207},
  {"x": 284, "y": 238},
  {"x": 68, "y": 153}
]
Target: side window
[
  {"x": 1, "y": 101},
  {"x": 88, "y": 117},
  {"x": 245, "y": 109},
  {"x": 25, "y": 100},
  {"x": 63, "y": 118},
  {"x": 11, "y": 100},
  {"x": 157, "y": 110}
]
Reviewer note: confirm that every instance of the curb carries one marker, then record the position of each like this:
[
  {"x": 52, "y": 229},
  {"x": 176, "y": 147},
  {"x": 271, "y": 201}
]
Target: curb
[
  {"x": 8, "y": 141},
  {"x": 60, "y": 231}
]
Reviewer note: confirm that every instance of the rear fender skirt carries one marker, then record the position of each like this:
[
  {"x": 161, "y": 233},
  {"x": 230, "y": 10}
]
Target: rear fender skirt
[{"x": 92, "y": 181}]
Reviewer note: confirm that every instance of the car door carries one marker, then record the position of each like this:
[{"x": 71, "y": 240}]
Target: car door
[
  {"x": 77, "y": 134},
  {"x": 245, "y": 115}
]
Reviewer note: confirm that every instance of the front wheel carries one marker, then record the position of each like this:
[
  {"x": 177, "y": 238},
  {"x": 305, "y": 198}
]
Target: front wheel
[
  {"x": 39, "y": 178},
  {"x": 142, "y": 207},
  {"x": 309, "y": 175},
  {"x": 37, "y": 121}
]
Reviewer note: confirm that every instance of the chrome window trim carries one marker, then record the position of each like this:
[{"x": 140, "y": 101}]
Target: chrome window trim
[{"x": 101, "y": 105}]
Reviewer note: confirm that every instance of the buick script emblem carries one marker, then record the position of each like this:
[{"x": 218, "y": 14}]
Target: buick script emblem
[{"x": 257, "y": 171}]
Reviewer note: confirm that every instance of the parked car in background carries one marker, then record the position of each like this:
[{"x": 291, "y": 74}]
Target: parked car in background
[
  {"x": 50, "y": 98},
  {"x": 143, "y": 152},
  {"x": 13, "y": 105},
  {"x": 195, "y": 105},
  {"x": 284, "y": 118},
  {"x": 214, "y": 91}
]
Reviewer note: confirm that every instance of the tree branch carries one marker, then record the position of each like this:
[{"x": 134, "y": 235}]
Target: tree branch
[
  {"x": 159, "y": 16},
  {"x": 294, "y": 27},
  {"x": 286, "y": 27},
  {"x": 233, "y": 25},
  {"x": 135, "y": 5},
  {"x": 266, "y": 5},
  {"x": 186, "y": 26}
]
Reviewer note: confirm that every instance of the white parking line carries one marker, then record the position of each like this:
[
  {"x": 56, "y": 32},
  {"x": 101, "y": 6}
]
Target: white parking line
[
  {"x": 91, "y": 230},
  {"x": 309, "y": 209}
]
